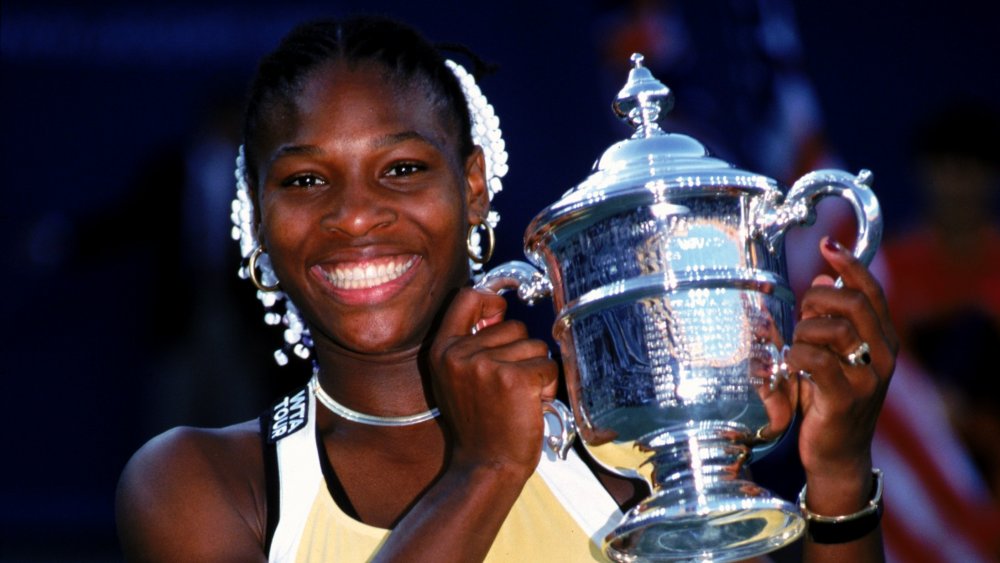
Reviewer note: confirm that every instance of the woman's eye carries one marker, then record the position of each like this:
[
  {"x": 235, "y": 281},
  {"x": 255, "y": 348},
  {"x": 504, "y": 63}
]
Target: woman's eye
[
  {"x": 405, "y": 169},
  {"x": 303, "y": 181}
]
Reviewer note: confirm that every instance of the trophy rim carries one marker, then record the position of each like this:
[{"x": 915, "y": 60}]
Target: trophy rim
[{"x": 731, "y": 509}]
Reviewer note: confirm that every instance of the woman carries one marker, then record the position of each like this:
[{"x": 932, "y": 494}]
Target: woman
[{"x": 363, "y": 181}]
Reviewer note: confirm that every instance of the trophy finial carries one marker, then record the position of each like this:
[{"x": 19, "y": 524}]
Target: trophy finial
[{"x": 643, "y": 100}]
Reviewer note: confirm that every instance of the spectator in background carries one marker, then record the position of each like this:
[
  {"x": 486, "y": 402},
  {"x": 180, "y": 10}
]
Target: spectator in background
[
  {"x": 945, "y": 271},
  {"x": 948, "y": 264}
]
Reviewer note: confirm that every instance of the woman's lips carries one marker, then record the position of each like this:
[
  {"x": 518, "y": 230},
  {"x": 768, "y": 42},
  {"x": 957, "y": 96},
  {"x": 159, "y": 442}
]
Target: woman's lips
[{"x": 369, "y": 273}]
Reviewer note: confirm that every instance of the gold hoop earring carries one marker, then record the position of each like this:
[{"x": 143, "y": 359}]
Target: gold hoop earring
[
  {"x": 472, "y": 251},
  {"x": 252, "y": 267}
]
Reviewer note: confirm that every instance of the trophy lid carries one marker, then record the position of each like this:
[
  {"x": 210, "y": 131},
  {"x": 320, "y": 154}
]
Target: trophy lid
[
  {"x": 648, "y": 167},
  {"x": 643, "y": 103}
]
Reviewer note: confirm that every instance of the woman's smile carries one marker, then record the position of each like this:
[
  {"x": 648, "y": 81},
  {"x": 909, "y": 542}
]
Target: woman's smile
[
  {"x": 367, "y": 280},
  {"x": 369, "y": 273}
]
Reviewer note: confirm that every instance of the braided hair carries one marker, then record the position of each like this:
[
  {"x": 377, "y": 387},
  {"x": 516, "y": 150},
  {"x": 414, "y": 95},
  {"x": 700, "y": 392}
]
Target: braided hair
[{"x": 404, "y": 55}]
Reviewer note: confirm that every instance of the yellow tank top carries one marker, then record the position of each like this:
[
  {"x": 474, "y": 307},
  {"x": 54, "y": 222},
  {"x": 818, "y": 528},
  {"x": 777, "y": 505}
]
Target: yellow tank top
[{"x": 562, "y": 514}]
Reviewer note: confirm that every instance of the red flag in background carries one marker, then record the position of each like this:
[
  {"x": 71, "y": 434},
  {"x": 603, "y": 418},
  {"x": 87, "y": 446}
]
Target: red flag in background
[{"x": 938, "y": 507}]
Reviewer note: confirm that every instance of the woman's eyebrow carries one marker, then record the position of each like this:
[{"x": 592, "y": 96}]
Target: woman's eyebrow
[
  {"x": 291, "y": 150},
  {"x": 394, "y": 138}
]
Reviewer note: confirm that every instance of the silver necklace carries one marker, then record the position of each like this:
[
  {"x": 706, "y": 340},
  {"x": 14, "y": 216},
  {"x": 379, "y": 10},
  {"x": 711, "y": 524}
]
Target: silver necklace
[{"x": 369, "y": 419}]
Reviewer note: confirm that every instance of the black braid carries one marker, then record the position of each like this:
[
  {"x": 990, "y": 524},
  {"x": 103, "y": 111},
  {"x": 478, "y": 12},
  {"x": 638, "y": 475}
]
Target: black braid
[
  {"x": 480, "y": 68},
  {"x": 405, "y": 54}
]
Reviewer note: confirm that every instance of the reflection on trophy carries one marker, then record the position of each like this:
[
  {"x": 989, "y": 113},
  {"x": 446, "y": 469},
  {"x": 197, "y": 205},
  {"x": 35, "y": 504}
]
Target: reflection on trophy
[{"x": 667, "y": 273}]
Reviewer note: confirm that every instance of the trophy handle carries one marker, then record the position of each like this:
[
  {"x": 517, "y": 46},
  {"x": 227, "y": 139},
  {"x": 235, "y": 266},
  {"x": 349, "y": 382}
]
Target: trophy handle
[
  {"x": 561, "y": 441},
  {"x": 799, "y": 208},
  {"x": 532, "y": 285}
]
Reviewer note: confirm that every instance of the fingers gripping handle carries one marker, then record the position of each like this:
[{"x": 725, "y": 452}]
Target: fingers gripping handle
[
  {"x": 532, "y": 285},
  {"x": 799, "y": 208}
]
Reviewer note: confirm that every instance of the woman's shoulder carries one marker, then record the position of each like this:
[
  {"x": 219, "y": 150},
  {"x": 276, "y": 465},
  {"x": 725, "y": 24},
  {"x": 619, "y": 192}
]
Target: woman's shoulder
[
  {"x": 241, "y": 439},
  {"x": 209, "y": 455},
  {"x": 189, "y": 486}
]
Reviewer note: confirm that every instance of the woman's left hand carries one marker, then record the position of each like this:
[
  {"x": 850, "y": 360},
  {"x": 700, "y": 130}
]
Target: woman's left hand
[{"x": 840, "y": 397}]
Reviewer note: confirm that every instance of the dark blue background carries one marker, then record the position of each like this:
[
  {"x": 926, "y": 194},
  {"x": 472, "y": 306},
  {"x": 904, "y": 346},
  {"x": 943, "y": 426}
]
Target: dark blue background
[{"x": 99, "y": 101}]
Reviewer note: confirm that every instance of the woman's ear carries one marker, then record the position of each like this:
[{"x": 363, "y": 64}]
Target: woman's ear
[{"x": 477, "y": 197}]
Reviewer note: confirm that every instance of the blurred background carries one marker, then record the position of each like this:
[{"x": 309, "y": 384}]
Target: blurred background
[{"x": 123, "y": 316}]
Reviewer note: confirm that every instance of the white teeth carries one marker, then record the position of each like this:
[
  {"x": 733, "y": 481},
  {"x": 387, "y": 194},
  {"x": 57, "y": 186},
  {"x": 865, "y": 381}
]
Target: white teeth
[{"x": 370, "y": 275}]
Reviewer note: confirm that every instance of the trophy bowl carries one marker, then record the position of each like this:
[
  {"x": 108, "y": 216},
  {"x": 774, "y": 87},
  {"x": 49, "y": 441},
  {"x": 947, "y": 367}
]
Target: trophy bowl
[{"x": 667, "y": 273}]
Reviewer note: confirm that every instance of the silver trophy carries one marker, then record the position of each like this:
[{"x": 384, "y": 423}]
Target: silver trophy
[{"x": 667, "y": 272}]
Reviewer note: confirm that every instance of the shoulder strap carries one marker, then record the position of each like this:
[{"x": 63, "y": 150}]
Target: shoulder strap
[
  {"x": 288, "y": 415},
  {"x": 288, "y": 429},
  {"x": 271, "y": 482},
  {"x": 580, "y": 493}
]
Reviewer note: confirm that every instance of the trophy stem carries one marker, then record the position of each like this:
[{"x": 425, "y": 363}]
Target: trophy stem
[{"x": 703, "y": 507}]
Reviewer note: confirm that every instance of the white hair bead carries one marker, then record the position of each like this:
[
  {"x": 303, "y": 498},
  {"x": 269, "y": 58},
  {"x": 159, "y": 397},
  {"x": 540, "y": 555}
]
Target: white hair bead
[
  {"x": 302, "y": 351},
  {"x": 280, "y": 357},
  {"x": 268, "y": 298}
]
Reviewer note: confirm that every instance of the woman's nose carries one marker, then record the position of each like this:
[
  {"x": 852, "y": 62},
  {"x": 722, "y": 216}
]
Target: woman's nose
[{"x": 357, "y": 209}]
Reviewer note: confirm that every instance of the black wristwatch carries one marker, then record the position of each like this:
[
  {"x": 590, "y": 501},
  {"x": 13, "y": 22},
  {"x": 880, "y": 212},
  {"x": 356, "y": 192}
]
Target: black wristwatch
[{"x": 849, "y": 527}]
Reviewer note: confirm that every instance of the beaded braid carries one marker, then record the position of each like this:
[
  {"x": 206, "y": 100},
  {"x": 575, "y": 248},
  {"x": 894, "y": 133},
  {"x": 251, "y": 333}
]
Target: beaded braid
[
  {"x": 485, "y": 133},
  {"x": 485, "y": 130},
  {"x": 297, "y": 338}
]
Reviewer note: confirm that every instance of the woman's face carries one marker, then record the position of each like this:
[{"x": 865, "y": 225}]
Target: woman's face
[{"x": 364, "y": 204}]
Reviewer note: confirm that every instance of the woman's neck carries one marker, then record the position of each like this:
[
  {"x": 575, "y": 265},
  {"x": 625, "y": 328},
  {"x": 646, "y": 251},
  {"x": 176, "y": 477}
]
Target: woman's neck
[
  {"x": 384, "y": 385},
  {"x": 388, "y": 385}
]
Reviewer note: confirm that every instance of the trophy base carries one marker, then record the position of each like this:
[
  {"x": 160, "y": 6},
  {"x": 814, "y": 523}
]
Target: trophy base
[{"x": 722, "y": 521}]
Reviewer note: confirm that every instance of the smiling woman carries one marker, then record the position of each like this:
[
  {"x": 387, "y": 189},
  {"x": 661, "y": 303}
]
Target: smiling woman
[
  {"x": 362, "y": 184},
  {"x": 369, "y": 178}
]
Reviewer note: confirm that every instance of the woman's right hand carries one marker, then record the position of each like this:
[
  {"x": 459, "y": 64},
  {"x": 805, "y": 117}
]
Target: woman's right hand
[
  {"x": 489, "y": 380},
  {"x": 489, "y": 386}
]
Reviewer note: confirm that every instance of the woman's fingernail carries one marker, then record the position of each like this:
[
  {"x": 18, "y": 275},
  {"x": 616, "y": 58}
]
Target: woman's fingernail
[{"x": 832, "y": 245}]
